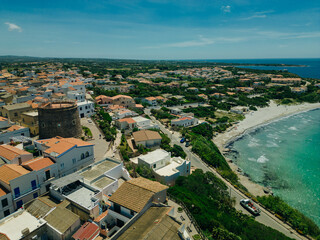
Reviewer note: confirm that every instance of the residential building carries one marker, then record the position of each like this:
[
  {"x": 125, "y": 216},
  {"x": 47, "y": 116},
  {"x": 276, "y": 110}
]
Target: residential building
[
  {"x": 31, "y": 121},
  {"x": 165, "y": 168},
  {"x": 145, "y": 123},
  {"x": 21, "y": 182},
  {"x": 14, "y": 131},
  {"x": 75, "y": 95},
  {"x": 122, "y": 100},
  {"x": 133, "y": 197},
  {"x": 184, "y": 122},
  {"x": 45, "y": 169},
  {"x": 88, "y": 231},
  {"x": 85, "y": 108},
  {"x": 70, "y": 154},
  {"x": 6, "y": 203},
  {"x": 147, "y": 138},
  {"x": 14, "y": 155},
  {"x": 22, "y": 225},
  {"x": 156, "y": 223},
  {"x": 126, "y": 123},
  {"x": 4, "y": 123},
  {"x": 14, "y": 111},
  {"x": 152, "y": 101}
]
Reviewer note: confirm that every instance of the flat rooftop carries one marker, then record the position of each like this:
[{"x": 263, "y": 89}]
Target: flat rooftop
[
  {"x": 31, "y": 114},
  {"x": 15, "y": 223},
  {"x": 168, "y": 170},
  {"x": 82, "y": 196},
  {"x": 95, "y": 171},
  {"x": 102, "y": 182},
  {"x": 155, "y": 156}
]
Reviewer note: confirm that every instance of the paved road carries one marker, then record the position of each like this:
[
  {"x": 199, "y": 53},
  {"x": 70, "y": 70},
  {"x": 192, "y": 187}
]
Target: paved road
[{"x": 265, "y": 217}]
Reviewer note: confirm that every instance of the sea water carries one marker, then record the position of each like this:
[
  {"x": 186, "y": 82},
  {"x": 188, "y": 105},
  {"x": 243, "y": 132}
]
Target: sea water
[{"x": 285, "y": 155}]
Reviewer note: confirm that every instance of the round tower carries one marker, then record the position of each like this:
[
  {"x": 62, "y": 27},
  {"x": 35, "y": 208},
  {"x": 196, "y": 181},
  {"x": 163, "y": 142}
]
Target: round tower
[{"x": 60, "y": 118}]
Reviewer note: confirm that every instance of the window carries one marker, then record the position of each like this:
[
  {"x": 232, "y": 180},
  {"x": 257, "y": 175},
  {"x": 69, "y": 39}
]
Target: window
[
  {"x": 4, "y": 202},
  {"x": 19, "y": 204},
  {"x": 17, "y": 192},
  {"x": 80, "y": 108},
  {"x": 47, "y": 174},
  {"x": 16, "y": 114},
  {"x": 87, "y": 154},
  {"x": 131, "y": 212},
  {"x": 154, "y": 165},
  {"x": 82, "y": 156},
  {"x": 6, "y": 213},
  {"x": 48, "y": 187},
  {"x": 35, "y": 195},
  {"x": 117, "y": 208},
  {"x": 74, "y": 161},
  {"x": 62, "y": 165},
  {"x": 33, "y": 184},
  {"x": 43, "y": 125}
]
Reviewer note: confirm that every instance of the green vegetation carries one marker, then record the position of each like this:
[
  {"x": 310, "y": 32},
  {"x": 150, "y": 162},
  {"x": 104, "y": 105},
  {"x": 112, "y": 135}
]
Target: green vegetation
[
  {"x": 87, "y": 131},
  {"x": 125, "y": 150},
  {"x": 201, "y": 112},
  {"x": 104, "y": 123},
  {"x": 207, "y": 198},
  {"x": 176, "y": 150},
  {"x": 203, "y": 146},
  {"x": 288, "y": 214},
  {"x": 162, "y": 114}
]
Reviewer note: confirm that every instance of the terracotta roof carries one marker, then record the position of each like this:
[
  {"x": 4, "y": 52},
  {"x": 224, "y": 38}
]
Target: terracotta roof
[
  {"x": 136, "y": 193},
  {"x": 14, "y": 128},
  {"x": 131, "y": 196},
  {"x": 2, "y": 119},
  {"x": 145, "y": 135},
  {"x": 121, "y": 96},
  {"x": 60, "y": 145},
  {"x": 128, "y": 120},
  {"x": 38, "y": 163},
  {"x": 87, "y": 231},
  {"x": 9, "y": 172},
  {"x": 148, "y": 184},
  {"x": 9, "y": 152}
]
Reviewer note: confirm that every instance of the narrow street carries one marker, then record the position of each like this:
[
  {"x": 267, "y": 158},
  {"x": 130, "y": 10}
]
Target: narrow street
[{"x": 265, "y": 217}]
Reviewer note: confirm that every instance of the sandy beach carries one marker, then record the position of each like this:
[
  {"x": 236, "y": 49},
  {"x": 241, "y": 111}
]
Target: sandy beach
[{"x": 252, "y": 120}]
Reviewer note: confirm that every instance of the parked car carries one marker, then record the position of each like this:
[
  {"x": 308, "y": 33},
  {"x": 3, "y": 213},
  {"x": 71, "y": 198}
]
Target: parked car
[
  {"x": 182, "y": 140},
  {"x": 248, "y": 204}
]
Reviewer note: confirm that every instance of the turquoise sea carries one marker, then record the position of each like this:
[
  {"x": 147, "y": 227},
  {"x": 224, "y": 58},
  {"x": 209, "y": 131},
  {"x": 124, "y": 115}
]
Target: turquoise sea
[{"x": 285, "y": 155}]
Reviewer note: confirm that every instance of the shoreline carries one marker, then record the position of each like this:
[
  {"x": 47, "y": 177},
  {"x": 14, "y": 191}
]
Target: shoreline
[{"x": 253, "y": 120}]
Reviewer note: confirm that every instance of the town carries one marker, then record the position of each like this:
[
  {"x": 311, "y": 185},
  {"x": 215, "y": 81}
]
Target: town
[{"x": 110, "y": 150}]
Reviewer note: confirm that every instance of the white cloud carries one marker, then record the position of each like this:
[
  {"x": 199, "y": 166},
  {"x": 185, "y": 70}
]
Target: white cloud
[
  {"x": 254, "y": 16},
  {"x": 202, "y": 41},
  {"x": 226, "y": 9},
  {"x": 13, "y": 27}
]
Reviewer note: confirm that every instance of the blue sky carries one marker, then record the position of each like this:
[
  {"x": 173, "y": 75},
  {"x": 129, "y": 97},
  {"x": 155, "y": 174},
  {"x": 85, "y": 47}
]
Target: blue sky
[{"x": 161, "y": 29}]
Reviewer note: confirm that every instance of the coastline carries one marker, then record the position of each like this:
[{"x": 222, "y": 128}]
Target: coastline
[{"x": 254, "y": 120}]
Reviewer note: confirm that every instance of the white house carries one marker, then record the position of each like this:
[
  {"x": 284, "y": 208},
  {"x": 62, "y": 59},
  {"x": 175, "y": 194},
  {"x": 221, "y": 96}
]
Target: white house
[
  {"x": 14, "y": 131},
  {"x": 13, "y": 155},
  {"x": 70, "y": 154},
  {"x": 184, "y": 121},
  {"x": 85, "y": 108},
  {"x": 165, "y": 168},
  {"x": 21, "y": 182},
  {"x": 79, "y": 96},
  {"x": 144, "y": 123}
]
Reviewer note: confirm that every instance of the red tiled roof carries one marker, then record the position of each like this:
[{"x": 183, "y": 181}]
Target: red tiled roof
[
  {"x": 10, "y": 152},
  {"x": 88, "y": 231},
  {"x": 38, "y": 163}
]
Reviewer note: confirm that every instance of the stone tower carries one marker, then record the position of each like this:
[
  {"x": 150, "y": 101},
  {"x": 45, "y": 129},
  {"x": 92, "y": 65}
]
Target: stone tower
[{"x": 59, "y": 118}]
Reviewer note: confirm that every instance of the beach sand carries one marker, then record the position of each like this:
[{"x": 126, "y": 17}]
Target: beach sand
[{"x": 252, "y": 120}]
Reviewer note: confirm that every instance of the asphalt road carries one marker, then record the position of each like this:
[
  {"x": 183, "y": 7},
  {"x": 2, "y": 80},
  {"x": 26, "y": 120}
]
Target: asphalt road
[{"x": 265, "y": 217}]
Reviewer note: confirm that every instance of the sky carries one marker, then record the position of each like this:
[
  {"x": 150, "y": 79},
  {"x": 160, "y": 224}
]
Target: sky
[{"x": 161, "y": 29}]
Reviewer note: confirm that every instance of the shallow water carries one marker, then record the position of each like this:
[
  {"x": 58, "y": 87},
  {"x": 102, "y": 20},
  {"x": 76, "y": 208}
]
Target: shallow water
[{"x": 285, "y": 155}]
